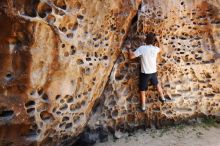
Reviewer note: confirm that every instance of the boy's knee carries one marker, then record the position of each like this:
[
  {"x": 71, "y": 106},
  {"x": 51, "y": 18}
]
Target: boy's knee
[{"x": 158, "y": 87}]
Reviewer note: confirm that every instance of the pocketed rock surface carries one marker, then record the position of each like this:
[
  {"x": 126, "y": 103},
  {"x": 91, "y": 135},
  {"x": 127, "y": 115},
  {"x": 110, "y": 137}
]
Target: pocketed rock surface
[
  {"x": 57, "y": 56},
  {"x": 188, "y": 67}
]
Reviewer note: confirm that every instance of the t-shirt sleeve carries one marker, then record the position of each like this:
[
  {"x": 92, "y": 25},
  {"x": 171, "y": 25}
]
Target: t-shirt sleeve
[
  {"x": 137, "y": 53},
  {"x": 158, "y": 49}
]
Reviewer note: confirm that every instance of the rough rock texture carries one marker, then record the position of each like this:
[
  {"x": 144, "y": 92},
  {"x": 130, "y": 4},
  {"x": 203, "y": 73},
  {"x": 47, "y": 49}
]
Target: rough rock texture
[
  {"x": 56, "y": 56},
  {"x": 189, "y": 67}
]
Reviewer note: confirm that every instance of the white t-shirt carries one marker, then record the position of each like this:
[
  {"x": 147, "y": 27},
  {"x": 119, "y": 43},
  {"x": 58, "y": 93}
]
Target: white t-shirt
[{"x": 148, "y": 54}]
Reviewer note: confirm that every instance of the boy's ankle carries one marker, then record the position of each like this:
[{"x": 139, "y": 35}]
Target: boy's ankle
[
  {"x": 163, "y": 98},
  {"x": 143, "y": 107}
]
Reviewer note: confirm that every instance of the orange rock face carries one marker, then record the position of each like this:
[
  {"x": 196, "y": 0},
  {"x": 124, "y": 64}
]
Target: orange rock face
[
  {"x": 56, "y": 57},
  {"x": 188, "y": 67}
]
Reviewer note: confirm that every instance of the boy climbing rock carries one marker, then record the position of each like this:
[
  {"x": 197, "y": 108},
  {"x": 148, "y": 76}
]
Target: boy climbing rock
[{"x": 148, "y": 53}]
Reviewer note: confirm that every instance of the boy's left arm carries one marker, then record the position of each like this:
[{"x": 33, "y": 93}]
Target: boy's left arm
[{"x": 131, "y": 54}]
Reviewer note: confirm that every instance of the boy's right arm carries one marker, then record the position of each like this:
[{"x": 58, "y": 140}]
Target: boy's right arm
[{"x": 131, "y": 54}]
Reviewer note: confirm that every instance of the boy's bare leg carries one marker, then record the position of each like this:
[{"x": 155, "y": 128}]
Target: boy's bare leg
[
  {"x": 160, "y": 91},
  {"x": 143, "y": 98}
]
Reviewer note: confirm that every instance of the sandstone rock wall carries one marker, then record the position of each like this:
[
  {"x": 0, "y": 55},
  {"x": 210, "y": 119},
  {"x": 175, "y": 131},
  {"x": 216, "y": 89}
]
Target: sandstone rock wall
[
  {"x": 188, "y": 67},
  {"x": 56, "y": 56}
]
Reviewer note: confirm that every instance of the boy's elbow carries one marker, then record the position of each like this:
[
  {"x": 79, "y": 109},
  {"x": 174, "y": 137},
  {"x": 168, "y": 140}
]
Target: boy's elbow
[{"x": 132, "y": 57}]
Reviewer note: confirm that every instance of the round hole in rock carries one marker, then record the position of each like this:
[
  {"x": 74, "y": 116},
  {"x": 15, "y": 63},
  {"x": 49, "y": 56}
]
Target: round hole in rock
[
  {"x": 72, "y": 107},
  {"x": 9, "y": 75},
  {"x": 200, "y": 51},
  {"x": 69, "y": 35},
  {"x": 87, "y": 71},
  {"x": 6, "y": 114},
  {"x": 63, "y": 29},
  {"x": 112, "y": 103},
  {"x": 31, "y": 134},
  {"x": 45, "y": 97},
  {"x": 61, "y": 4},
  {"x": 42, "y": 15},
  {"x": 209, "y": 95},
  {"x": 188, "y": 63},
  {"x": 198, "y": 58},
  {"x": 126, "y": 65},
  {"x": 61, "y": 13},
  {"x": 65, "y": 97},
  {"x": 112, "y": 27},
  {"x": 51, "y": 19},
  {"x": 105, "y": 57},
  {"x": 70, "y": 99},
  {"x": 118, "y": 76},
  {"x": 46, "y": 116},
  {"x": 88, "y": 59},
  {"x": 73, "y": 51},
  {"x": 63, "y": 45},
  {"x": 72, "y": 26},
  {"x": 57, "y": 97},
  {"x": 79, "y": 61},
  {"x": 68, "y": 125},
  {"x": 115, "y": 113},
  {"x": 80, "y": 17},
  {"x": 40, "y": 91},
  {"x": 61, "y": 125},
  {"x": 78, "y": 106},
  {"x": 32, "y": 92},
  {"x": 30, "y": 111},
  {"x": 42, "y": 107},
  {"x": 63, "y": 7},
  {"x": 58, "y": 112},
  {"x": 76, "y": 119},
  {"x": 64, "y": 107},
  {"x": 30, "y": 103},
  {"x": 62, "y": 101},
  {"x": 96, "y": 55},
  {"x": 43, "y": 9},
  {"x": 54, "y": 109},
  {"x": 65, "y": 119}
]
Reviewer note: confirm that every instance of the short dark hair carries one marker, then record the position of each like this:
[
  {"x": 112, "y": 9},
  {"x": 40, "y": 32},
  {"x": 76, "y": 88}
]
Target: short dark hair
[{"x": 150, "y": 38}]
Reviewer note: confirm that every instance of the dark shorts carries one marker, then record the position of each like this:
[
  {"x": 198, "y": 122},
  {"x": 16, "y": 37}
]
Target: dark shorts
[{"x": 144, "y": 78}]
